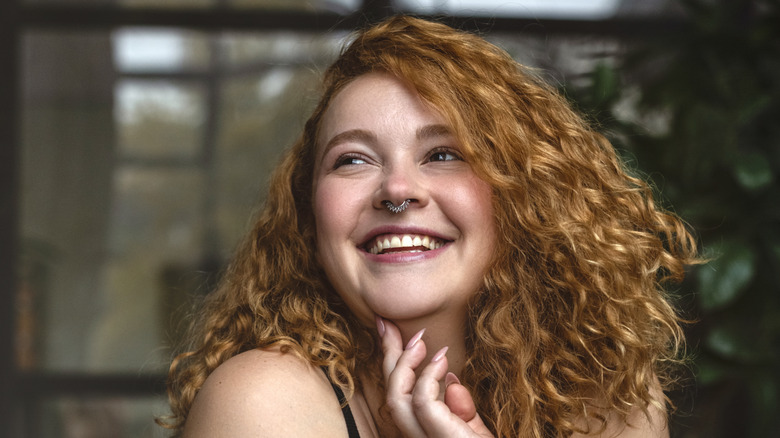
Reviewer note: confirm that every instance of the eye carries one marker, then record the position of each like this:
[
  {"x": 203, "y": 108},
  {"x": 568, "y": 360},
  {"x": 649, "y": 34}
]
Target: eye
[
  {"x": 444, "y": 154},
  {"x": 348, "y": 160}
]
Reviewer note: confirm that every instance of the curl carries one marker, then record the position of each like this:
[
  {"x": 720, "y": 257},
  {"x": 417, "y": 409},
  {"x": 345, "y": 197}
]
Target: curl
[{"x": 572, "y": 320}]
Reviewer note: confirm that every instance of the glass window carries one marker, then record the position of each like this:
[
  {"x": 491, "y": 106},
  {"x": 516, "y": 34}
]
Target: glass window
[
  {"x": 160, "y": 120},
  {"x": 69, "y": 417},
  {"x": 67, "y": 159},
  {"x": 142, "y": 161},
  {"x": 160, "y": 50}
]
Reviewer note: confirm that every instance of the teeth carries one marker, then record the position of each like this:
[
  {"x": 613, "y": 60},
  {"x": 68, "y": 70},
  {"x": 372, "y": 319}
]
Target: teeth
[{"x": 412, "y": 242}]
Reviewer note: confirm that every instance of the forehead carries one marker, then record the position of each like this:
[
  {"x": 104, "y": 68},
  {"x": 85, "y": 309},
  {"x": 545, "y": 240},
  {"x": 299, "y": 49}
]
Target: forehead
[{"x": 375, "y": 101}]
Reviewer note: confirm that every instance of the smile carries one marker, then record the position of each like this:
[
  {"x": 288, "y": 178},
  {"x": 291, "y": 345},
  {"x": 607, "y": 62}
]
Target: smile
[{"x": 403, "y": 243}]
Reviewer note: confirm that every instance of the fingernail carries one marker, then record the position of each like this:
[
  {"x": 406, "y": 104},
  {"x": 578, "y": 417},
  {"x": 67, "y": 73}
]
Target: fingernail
[
  {"x": 380, "y": 325},
  {"x": 414, "y": 339},
  {"x": 437, "y": 357},
  {"x": 450, "y": 378}
]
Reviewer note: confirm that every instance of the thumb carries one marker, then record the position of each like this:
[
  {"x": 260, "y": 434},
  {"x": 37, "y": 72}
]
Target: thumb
[{"x": 458, "y": 399}]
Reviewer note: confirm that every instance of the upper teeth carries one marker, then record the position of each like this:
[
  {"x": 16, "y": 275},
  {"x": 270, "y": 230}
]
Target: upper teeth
[{"x": 404, "y": 241}]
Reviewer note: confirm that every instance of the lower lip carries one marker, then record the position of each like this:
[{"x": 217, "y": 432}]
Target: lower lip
[{"x": 405, "y": 257}]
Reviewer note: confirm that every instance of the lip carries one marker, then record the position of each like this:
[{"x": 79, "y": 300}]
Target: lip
[
  {"x": 400, "y": 229},
  {"x": 406, "y": 257},
  {"x": 402, "y": 257}
]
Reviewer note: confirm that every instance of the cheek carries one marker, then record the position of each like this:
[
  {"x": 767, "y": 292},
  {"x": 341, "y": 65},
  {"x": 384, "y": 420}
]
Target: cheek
[
  {"x": 475, "y": 204},
  {"x": 484, "y": 194},
  {"x": 331, "y": 214},
  {"x": 323, "y": 221}
]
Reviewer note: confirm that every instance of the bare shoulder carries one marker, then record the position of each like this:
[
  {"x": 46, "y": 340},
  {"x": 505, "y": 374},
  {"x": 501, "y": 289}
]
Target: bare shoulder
[
  {"x": 265, "y": 393},
  {"x": 638, "y": 424}
]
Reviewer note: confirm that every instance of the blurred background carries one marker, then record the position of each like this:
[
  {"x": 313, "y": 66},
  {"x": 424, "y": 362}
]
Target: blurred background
[{"x": 137, "y": 136}]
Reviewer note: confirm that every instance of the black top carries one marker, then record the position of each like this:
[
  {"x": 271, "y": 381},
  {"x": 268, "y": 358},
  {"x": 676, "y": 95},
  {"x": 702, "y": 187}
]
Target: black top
[{"x": 348, "y": 418}]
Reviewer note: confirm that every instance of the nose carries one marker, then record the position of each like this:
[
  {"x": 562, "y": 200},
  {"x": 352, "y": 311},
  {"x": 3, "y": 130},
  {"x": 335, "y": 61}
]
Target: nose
[{"x": 399, "y": 184}]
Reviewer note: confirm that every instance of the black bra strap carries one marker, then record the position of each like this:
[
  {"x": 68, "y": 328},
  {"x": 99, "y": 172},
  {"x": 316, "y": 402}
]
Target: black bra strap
[{"x": 348, "y": 418}]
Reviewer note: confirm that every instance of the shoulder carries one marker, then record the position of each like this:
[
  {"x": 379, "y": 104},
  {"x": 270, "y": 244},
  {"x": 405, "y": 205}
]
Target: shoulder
[
  {"x": 265, "y": 393},
  {"x": 638, "y": 424}
]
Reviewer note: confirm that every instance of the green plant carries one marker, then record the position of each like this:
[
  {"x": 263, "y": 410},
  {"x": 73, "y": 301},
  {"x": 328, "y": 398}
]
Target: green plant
[{"x": 704, "y": 127}]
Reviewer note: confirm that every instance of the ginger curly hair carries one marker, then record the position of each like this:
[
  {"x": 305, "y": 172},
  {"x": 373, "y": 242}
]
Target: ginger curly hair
[{"x": 572, "y": 313}]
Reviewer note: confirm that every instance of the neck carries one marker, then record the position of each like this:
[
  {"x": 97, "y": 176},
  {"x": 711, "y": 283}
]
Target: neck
[{"x": 439, "y": 332}]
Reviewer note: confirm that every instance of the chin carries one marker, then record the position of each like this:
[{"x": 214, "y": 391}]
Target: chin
[{"x": 408, "y": 305}]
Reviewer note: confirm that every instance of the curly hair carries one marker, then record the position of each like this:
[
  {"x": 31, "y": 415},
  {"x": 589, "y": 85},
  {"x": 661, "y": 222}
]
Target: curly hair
[{"x": 572, "y": 318}]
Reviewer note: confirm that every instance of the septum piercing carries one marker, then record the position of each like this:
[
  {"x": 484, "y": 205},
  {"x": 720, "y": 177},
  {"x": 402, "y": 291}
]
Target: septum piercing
[{"x": 397, "y": 208}]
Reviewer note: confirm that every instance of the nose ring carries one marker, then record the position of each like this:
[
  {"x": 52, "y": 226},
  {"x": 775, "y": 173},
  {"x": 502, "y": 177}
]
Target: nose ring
[{"x": 397, "y": 208}]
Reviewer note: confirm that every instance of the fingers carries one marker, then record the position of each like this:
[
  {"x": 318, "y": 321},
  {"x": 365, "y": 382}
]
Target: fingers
[
  {"x": 456, "y": 416},
  {"x": 414, "y": 401},
  {"x": 398, "y": 368},
  {"x": 396, "y": 357},
  {"x": 432, "y": 414},
  {"x": 428, "y": 386}
]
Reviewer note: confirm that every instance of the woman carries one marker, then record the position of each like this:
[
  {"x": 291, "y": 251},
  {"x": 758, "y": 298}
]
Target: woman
[{"x": 448, "y": 250}]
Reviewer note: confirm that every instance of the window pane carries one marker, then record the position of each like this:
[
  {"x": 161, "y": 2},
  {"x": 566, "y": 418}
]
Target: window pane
[
  {"x": 272, "y": 84},
  {"x": 156, "y": 227},
  {"x": 240, "y": 51},
  {"x": 261, "y": 115},
  {"x": 160, "y": 120},
  {"x": 160, "y": 50},
  {"x": 101, "y": 417},
  {"x": 67, "y": 160}
]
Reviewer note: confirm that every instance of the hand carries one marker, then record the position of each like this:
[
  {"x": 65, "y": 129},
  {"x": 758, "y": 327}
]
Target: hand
[{"x": 414, "y": 401}]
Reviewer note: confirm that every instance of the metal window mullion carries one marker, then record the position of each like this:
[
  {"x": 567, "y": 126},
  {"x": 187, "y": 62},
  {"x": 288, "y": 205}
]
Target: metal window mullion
[
  {"x": 9, "y": 195},
  {"x": 86, "y": 17}
]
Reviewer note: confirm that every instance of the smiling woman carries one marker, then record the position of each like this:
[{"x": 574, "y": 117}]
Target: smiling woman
[{"x": 448, "y": 250}]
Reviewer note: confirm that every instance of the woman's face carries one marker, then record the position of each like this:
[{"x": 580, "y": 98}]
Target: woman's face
[{"x": 380, "y": 142}]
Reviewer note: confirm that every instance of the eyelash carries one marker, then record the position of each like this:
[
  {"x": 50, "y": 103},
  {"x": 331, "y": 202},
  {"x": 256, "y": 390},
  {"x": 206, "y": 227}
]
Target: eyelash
[
  {"x": 346, "y": 160},
  {"x": 445, "y": 151}
]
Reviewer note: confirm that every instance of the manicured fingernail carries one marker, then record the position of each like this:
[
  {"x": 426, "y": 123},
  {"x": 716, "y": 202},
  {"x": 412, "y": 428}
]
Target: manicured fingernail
[
  {"x": 450, "y": 378},
  {"x": 380, "y": 325},
  {"x": 437, "y": 357},
  {"x": 415, "y": 339}
]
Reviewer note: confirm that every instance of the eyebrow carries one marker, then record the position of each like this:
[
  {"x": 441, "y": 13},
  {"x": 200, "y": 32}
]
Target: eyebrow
[
  {"x": 430, "y": 131},
  {"x": 358, "y": 135}
]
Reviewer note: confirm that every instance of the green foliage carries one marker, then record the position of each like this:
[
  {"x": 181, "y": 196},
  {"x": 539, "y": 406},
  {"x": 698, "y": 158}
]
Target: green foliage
[
  {"x": 722, "y": 281},
  {"x": 715, "y": 157}
]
